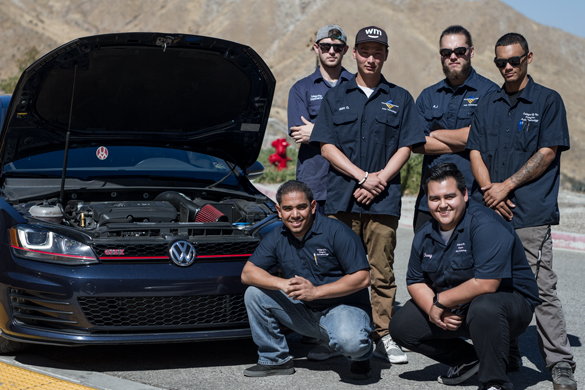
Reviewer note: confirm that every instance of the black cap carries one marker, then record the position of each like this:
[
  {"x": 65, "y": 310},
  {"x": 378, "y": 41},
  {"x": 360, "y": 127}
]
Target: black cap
[{"x": 371, "y": 34}]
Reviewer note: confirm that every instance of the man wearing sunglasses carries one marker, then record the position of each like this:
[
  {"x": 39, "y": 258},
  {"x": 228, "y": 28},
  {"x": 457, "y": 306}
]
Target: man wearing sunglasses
[
  {"x": 447, "y": 108},
  {"x": 515, "y": 142},
  {"x": 366, "y": 129},
  {"x": 304, "y": 101}
]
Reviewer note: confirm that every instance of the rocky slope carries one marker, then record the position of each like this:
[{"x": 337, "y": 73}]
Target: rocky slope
[{"x": 282, "y": 32}]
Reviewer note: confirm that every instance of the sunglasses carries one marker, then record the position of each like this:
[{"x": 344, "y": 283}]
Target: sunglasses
[
  {"x": 337, "y": 47},
  {"x": 514, "y": 61},
  {"x": 459, "y": 51}
]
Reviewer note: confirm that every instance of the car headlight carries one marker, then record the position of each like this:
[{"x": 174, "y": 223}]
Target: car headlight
[{"x": 40, "y": 244}]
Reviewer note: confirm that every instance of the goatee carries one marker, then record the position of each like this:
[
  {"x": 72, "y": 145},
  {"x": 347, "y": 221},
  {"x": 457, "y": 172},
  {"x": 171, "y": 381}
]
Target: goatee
[{"x": 452, "y": 74}]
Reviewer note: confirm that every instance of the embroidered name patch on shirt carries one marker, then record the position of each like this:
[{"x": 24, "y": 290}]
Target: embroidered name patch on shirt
[{"x": 460, "y": 247}]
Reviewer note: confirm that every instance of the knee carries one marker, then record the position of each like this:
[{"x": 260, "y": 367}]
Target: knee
[
  {"x": 253, "y": 297},
  {"x": 351, "y": 342},
  {"x": 484, "y": 309},
  {"x": 352, "y": 346},
  {"x": 399, "y": 327}
]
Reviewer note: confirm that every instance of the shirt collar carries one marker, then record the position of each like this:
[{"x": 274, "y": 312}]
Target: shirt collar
[
  {"x": 526, "y": 95},
  {"x": 469, "y": 83},
  {"x": 461, "y": 226},
  {"x": 383, "y": 85},
  {"x": 317, "y": 77}
]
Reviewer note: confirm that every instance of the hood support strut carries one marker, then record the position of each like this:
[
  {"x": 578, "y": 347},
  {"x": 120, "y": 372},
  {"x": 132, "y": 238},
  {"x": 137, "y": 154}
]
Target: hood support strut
[{"x": 66, "y": 154}]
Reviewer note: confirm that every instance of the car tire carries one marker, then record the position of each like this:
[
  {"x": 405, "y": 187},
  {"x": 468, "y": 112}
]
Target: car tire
[{"x": 9, "y": 346}]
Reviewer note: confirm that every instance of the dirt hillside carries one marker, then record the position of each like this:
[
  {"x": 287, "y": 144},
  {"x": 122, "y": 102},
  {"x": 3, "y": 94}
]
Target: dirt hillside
[{"x": 282, "y": 31}]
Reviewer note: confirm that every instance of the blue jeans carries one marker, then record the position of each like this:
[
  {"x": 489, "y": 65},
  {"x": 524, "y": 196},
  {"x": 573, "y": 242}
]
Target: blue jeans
[{"x": 347, "y": 328}]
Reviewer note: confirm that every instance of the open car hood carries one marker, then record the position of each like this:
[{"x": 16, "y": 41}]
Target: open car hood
[{"x": 176, "y": 91}]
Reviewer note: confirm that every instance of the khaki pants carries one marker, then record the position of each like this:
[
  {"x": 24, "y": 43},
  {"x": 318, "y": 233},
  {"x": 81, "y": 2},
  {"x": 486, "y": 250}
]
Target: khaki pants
[
  {"x": 378, "y": 233},
  {"x": 550, "y": 318}
]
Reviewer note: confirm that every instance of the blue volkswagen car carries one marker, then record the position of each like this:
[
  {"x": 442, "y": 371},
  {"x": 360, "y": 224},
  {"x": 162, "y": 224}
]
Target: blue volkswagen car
[{"x": 126, "y": 210}]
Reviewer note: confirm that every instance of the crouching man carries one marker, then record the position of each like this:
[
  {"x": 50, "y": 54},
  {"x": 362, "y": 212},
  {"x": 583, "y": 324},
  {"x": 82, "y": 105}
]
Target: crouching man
[
  {"x": 468, "y": 278},
  {"x": 324, "y": 290}
]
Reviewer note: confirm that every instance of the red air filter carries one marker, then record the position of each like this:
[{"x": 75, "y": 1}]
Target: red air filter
[{"x": 208, "y": 213}]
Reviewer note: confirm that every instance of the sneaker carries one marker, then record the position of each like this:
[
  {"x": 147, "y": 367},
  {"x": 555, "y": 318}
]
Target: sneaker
[
  {"x": 360, "y": 369},
  {"x": 267, "y": 370},
  {"x": 459, "y": 374},
  {"x": 322, "y": 352},
  {"x": 492, "y": 387},
  {"x": 562, "y": 375},
  {"x": 388, "y": 350}
]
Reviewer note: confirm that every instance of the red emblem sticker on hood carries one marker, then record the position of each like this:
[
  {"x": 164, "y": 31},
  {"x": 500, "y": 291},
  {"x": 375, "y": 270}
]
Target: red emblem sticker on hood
[{"x": 102, "y": 153}]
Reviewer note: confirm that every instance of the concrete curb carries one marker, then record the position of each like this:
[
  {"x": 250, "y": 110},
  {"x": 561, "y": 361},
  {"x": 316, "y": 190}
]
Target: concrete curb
[
  {"x": 561, "y": 240},
  {"x": 96, "y": 380},
  {"x": 568, "y": 241}
]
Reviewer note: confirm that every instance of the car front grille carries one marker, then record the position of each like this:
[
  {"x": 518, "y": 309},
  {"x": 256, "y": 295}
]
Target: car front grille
[
  {"x": 190, "y": 311},
  {"x": 35, "y": 308},
  {"x": 207, "y": 251}
]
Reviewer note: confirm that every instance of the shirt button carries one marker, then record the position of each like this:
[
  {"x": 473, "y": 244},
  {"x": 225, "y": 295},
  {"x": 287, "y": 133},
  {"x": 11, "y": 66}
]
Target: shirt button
[
  {"x": 363, "y": 137},
  {"x": 510, "y": 113},
  {"x": 507, "y": 130},
  {"x": 365, "y": 121}
]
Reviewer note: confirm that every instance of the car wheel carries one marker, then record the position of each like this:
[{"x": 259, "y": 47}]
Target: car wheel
[{"x": 9, "y": 346}]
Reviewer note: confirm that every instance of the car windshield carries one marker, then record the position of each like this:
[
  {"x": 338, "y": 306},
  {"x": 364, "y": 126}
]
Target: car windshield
[{"x": 124, "y": 161}]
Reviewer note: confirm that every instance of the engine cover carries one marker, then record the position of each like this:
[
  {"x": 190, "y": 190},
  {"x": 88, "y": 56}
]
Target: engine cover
[{"x": 133, "y": 211}]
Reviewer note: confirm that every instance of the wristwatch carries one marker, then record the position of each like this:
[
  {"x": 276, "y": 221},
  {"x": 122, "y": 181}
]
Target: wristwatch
[{"x": 437, "y": 303}]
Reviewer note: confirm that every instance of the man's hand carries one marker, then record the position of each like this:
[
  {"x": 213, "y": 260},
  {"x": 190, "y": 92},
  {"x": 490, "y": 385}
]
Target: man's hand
[
  {"x": 363, "y": 196},
  {"x": 300, "y": 288},
  {"x": 436, "y": 317},
  {"x": 374, "y": 184},
  {"x": 451, "y": 320},
  {"x": 495, "y": 193},
  {"x": 301, "y": 134},
  {"x": 503, "y": 207}
]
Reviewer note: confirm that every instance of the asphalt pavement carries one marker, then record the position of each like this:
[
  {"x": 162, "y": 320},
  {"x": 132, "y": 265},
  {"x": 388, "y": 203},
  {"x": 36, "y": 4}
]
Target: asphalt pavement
[{"x": 213, "y": 365}]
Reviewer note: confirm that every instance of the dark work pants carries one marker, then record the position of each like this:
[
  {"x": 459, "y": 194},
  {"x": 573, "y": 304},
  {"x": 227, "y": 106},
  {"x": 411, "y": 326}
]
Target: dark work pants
[{"x": 491, "y": 321}]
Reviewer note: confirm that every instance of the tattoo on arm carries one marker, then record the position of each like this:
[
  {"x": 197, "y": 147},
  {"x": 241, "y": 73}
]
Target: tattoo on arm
[{"x": 533, "y": 168}]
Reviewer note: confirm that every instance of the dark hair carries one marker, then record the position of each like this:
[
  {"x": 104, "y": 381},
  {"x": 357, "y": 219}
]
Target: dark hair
[
  {"x": 511, "y": 39},
  {"x": 442, "y": 172},
  {"x": 293, "y": 186},
  {"x": 335, "y": 34},
  {"x": 457, "y": 30}
]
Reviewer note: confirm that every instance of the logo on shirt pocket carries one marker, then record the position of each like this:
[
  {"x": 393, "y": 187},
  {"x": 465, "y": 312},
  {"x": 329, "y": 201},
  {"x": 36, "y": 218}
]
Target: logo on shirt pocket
[{"x": 390, "y": 104}]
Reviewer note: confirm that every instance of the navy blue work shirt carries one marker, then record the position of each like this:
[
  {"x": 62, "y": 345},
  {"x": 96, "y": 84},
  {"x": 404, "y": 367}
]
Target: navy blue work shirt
[
  {"x": 509, "y": 135},
  {"x": 446, "y": 108},
  {"x": 329, "y": 251},
  {"x": 368, "y": 131},
  {"x": 304, "y": 99},
  {"x": 482, "y": 246}
]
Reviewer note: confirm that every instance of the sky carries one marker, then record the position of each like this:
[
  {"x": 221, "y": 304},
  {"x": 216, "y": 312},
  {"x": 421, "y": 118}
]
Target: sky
[{"x": 566, "y": 15}]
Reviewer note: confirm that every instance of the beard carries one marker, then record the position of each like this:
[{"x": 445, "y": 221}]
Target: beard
[{"x": 453, "y": 74}]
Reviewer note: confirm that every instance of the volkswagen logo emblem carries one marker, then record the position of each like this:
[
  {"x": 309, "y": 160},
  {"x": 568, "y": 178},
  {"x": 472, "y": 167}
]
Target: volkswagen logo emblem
[{"x": 182, "y": 253}]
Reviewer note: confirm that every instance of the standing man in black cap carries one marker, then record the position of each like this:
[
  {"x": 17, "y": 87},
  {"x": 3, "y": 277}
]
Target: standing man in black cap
[{"x": 366, "y": 129}]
